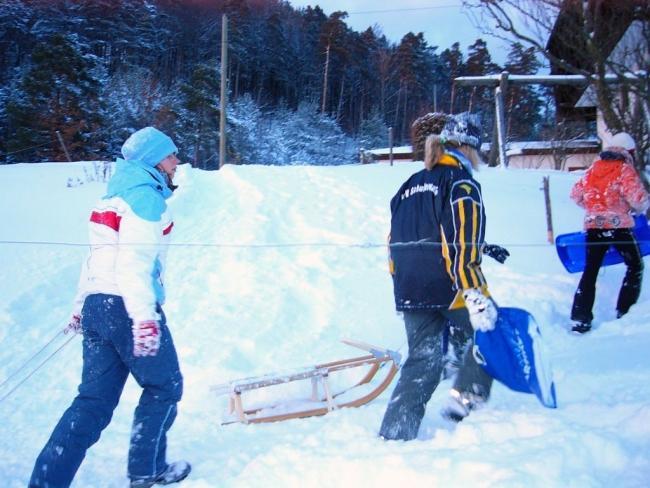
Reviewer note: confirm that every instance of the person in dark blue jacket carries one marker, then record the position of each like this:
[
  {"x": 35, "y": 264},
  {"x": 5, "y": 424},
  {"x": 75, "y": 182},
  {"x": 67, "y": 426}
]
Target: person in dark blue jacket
[{"x": 436, "y": 244}]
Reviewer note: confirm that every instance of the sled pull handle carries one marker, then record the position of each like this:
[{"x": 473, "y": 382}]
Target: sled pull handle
[{"x": 377, "y": 352}]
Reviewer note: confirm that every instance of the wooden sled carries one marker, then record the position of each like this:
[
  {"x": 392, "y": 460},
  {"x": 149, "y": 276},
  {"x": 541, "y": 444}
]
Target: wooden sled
[{"x": 322, "y": 400}]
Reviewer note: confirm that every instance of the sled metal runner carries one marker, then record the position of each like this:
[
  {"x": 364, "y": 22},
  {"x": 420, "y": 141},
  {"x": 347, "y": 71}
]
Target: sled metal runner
[{"x": 323, "y": 400}]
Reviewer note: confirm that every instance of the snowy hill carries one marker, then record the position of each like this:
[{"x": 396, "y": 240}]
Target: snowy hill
[{"x": 270, "y": 267}]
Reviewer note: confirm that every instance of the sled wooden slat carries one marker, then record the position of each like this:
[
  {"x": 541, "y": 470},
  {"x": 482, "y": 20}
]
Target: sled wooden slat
[{"x": 318, "y": 374}]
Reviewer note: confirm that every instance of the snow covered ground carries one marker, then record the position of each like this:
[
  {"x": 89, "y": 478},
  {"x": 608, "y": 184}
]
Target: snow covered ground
[{"x": 270, "y": 267}]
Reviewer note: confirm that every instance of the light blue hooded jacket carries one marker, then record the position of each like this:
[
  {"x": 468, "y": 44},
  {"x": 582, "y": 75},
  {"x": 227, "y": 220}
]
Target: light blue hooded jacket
[
  {"x": 129, "y": 229},
  {"x": 142, "y": 151}
]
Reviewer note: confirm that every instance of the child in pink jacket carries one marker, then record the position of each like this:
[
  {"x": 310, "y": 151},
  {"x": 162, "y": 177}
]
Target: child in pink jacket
[{"x": 610, "y": 192}]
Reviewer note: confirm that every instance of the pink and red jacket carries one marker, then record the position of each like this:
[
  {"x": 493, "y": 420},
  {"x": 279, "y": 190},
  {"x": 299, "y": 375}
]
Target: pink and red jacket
[{"x": 610, "y": 192}]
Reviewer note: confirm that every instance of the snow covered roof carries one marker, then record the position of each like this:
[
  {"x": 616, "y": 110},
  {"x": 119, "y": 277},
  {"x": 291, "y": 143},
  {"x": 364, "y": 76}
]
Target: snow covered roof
[
  {"x": 386, "y": 150},
  {"x": 545, "y": 147},
  {"x": 575, "y": 146}
]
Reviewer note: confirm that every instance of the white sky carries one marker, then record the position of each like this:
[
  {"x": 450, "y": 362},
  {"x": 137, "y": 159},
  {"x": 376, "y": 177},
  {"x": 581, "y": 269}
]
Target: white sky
[{"x": 443, "y": 22}]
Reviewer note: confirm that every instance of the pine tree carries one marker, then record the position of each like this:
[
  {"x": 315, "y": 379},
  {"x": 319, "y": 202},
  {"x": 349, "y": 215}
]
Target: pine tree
[
  {"x": 414, "y": 62},
  {"x": 316, "y": 138},
  {"x": 310, "y": 56},
  {"x": 335, "y": 51},
  {"x": 479, "y": 63},
  {"x": 453, "y": 66},
  {"x": 15, "y": 19},
  {"x": 481, "y": 99},
  {"x": 524, "y": 104},
  {"x": 246, "y": 138},
  {"x": 373, "y": 132},
  {"x": 201, "y": 116},
  {"x": 57, "y": 93}
]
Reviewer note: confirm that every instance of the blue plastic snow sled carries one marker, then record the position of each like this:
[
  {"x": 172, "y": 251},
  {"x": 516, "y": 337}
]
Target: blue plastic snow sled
[
  {"x": 513, "y": 353},
  {"x": 572, "y": 252}
]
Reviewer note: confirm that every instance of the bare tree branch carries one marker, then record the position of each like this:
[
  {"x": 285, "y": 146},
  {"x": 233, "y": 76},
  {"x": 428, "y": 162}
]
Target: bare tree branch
[{"x": 592, "y": 38}]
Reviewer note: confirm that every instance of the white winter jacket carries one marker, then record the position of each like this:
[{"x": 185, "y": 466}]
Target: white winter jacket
[{"x": 129, "y": 231}]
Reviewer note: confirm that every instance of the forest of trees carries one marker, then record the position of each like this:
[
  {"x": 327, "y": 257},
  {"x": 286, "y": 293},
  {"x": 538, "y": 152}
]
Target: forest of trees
[{"x": 303, "y": 86}]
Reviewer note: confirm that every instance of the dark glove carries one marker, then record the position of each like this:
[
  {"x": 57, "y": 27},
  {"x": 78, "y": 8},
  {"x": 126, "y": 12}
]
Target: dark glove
[{"x": 496, "y": 252}]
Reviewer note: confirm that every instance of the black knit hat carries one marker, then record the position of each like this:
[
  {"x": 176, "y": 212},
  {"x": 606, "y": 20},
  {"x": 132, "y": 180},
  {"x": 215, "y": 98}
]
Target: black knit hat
[{"x": 463, "y": 128}]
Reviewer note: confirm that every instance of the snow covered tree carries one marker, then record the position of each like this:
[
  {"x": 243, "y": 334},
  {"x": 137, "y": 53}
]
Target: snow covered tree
[
  {"x": 15, "y": 19},
  {"x": 335, "y": 48},
  {"x": 246, "y": 138},
  {"x": 373, "y": 131},
  {"x": 200, "y": 115},
  {"x": 453, "y": 66},
  {"x": 56, "y": 93},
  {"x": 135, "y": 99},
  {"x": 414, "y": 65},
  {"x": 479, "y": 62},
  {"x": 523, "y": 103},
  {"x": 317, "y": 138},
  {"x": 143, "y": 57}
]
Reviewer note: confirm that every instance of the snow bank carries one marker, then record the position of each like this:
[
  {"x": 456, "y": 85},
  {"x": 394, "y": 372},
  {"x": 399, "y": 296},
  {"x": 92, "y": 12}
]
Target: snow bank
[{"x": 270, "y": 267}]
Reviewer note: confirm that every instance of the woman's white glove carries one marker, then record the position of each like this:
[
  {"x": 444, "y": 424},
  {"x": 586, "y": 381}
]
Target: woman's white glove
[{"x": 482, "y": 312}]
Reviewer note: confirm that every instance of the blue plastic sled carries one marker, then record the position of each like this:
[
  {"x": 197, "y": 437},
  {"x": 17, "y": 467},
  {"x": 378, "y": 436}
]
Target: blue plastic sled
[
  {"x": 572, "y": 252},
  {"x": 513, "y": 353}
]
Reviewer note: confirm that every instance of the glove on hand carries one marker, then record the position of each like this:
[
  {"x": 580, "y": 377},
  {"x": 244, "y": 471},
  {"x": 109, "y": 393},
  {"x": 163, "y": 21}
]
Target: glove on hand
[
  {"x": 146, "y": 338},
  {"x": 482, "y": 312},
  {"x": 74, "y": 326},
  {"x": 496, "y": 252}
]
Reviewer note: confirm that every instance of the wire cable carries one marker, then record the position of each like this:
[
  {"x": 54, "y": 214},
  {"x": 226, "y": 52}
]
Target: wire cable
[
  {"x": 24, "y": 365},
  {"x": 411, "y": 9},
  {"x": 361, "y": 245},
  {"x": 24, "y": 149},
  {"x": 4, "y": 397}
]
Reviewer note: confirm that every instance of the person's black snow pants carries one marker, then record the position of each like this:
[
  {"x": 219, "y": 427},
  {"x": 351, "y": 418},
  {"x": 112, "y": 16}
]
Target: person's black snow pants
[
  {"x": 597, "y": 242},
  {"x": 421, "y": 372}
]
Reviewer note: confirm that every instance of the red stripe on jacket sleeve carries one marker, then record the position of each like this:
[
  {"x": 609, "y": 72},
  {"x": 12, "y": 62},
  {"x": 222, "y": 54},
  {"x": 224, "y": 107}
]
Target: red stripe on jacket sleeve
[{"x": 110, "y": 219}]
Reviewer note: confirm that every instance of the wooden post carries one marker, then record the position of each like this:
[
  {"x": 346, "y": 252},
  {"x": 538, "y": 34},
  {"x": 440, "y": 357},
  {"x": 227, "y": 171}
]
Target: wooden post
[
  {"x": 390, "y": 145},
  {"x": 451, "y": 98},
  {"x": 549, "y": 215},
  {"x": 224, "y": 90},
  {"x": 435, "y": 97},
  {"x": 65, "y": 149},
  {"x": 502, "y": 137}
]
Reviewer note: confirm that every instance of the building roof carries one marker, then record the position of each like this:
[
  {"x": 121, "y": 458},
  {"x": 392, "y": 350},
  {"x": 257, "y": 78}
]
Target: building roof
[
  {"x": 386, "y": 150},
  {"x": 576, "y": 146},
  {"x": 568, "y": 42}
]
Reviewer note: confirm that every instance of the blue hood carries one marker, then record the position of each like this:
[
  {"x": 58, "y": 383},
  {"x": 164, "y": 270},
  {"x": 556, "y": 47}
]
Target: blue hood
[
  {"x": 142, "y": 187},
  {"x": 148, "y": 146}
]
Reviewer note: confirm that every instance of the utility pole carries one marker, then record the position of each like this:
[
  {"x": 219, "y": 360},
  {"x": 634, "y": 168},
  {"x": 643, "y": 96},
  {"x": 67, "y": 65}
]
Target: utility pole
[
  {"x": 390, "y": 145},
  {"x": 224, "y": 90}
]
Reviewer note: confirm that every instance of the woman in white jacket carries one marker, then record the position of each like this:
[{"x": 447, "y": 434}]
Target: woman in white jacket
[{"x": 118, "y": 308}]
